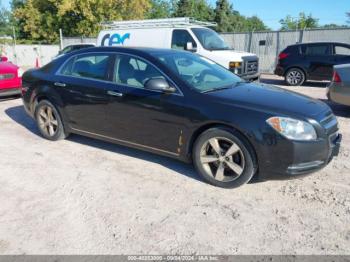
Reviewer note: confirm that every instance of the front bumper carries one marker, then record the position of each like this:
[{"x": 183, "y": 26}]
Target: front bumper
[
  {"x": 251, "y": 77},
  {"x": 286, "y": 159},
  {"x": 10, "y": 92},
  {"x": 310, "y": 167}
]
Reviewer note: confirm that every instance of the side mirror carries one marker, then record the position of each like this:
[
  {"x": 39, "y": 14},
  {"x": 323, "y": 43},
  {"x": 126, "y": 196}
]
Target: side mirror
[
  {"x": 159, "y": 84},
  {"x": 189, "y": 47},
  {"x": 4, "y": 59}
]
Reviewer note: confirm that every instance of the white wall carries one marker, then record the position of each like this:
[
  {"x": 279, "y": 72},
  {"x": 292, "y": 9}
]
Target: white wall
[{"x": 25, "y": 55}]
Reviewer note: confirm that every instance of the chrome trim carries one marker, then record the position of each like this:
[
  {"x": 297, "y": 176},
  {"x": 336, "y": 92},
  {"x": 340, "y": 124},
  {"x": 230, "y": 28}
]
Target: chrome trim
[
  {"x": 126, "y": 142},
  {"x": 58, "y": 71}
]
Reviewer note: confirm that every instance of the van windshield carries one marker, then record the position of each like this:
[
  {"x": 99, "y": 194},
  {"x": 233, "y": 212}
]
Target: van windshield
[
  {"x": 209, "y": 39},
  {"x": 200, "y": 73}
]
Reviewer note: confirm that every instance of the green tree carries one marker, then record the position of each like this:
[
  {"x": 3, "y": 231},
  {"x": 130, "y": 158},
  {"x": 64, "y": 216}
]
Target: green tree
[
  {"x": 160, "y": 9},
  {"x": 5, "y": 21},
  {"x": 348, "y": 15},
  {"x": 43, "y": 18},
  {"x": 301, "y": 22},
  {"x": 198, "y": 9},
  {"x": 224, "y": 16},
  {"x": 254, "y": 23}
]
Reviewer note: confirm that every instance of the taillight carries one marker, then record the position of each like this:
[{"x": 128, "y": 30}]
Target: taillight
[
  {"x": 336, "y": 77},
  {"x": 283, "y": 56}
]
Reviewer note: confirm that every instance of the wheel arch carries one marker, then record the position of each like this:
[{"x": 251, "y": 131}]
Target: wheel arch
[{"x": 230, "y": 128}]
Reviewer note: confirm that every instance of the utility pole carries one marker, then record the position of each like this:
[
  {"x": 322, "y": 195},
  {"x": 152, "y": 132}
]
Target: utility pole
[{"x": 61, "y": 39}]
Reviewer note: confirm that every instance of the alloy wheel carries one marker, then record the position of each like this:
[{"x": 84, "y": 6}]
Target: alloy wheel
[
  {"x": 222, "y": 159},
  {"x": 47, "y": 121},
  {"x": 295, "y": 77}
]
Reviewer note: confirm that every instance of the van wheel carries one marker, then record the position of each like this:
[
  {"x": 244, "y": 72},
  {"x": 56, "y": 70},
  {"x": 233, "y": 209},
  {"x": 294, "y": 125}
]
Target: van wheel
[
  {"x": 223, "y": 158},
  {"x": 295, "y": 77},
  {"x": 49, "y": 121}
]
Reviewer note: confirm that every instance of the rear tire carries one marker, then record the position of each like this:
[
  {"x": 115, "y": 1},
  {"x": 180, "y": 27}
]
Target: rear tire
[
  {"x": 49, "y": 121},
  {"x": 295, "y": 77},
  {"x": 224, "y": 158}
]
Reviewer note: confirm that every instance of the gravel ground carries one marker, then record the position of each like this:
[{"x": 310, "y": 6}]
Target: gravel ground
[{"x": 83, "y": 196}]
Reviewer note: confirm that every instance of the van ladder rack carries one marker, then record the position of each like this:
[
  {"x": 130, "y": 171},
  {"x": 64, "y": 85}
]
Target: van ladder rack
[{"x": 168, "y": 22}]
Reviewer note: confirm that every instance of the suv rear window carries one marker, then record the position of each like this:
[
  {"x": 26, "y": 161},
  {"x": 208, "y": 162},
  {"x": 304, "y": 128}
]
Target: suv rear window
[{"x": 314, "y": 50}]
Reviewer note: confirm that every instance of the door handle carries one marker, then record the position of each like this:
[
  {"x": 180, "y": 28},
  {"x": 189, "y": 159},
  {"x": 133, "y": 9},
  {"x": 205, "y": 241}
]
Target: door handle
[
  {"x": 59, "y": 84},
  {"x": 113, "y": 93}
]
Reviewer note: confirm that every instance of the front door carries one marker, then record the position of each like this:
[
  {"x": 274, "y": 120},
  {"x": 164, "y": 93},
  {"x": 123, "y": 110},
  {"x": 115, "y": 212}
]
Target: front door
[{"x": 142, "y": 117}]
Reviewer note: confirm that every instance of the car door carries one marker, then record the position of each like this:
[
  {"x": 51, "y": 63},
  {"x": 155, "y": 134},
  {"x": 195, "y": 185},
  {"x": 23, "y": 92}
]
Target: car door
[
  {"x": 320, "y": 60},
  {"x": 342, "y": 54},
  {"x": 82, "y": 83},
  {"x": 180, "y": 38},
  {"x": 142, "y": 117}
]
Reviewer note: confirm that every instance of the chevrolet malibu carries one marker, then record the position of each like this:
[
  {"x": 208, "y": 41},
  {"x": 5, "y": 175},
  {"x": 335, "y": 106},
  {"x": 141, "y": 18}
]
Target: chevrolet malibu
[{"x": 184, "y": 106}]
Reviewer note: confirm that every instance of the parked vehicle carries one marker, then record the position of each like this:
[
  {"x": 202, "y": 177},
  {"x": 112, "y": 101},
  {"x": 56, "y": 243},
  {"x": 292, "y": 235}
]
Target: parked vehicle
[
  {"x": 184, "y": 106},
  {"x": 10, "y": 78},
  {"x": 184, "y": 34},
  {"x": 312, "y": 61},
  {"x": 339, "y": 89},
  {"x": 74, "y": 47}
]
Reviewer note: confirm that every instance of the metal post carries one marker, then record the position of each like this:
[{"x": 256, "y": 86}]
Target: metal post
[
  {"x": 61, "y": 39},
  {"x": 250, "y": 41},
  {"x": 301, "y": 35},
  {"x": 14, "y": 44}
]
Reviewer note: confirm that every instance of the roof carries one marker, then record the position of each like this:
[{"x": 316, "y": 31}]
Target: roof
[
  {"x": 132, "y": 50},
  {"x": 310, "y": 43}
]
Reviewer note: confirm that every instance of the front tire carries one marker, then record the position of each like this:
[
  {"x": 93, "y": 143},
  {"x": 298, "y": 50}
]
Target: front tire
[
  {"x": 49, "y": 121},
  {"x": 295, "y": 77},
  {"x": 223, "y": 158}
]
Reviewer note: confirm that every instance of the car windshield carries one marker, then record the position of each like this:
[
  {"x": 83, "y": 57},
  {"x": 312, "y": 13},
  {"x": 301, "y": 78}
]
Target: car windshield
[
  {"x": 209, "y": 39},
  {"x": 200, "y": 73}
]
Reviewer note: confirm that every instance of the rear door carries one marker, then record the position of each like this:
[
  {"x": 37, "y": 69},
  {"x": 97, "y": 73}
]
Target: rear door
[
  {"x": 320, "y": 60},
  {"x": 82, "y": 83}
]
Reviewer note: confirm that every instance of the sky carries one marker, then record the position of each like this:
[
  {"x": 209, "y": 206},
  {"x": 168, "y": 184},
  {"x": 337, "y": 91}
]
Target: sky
[{"x": 271, "y": 11}]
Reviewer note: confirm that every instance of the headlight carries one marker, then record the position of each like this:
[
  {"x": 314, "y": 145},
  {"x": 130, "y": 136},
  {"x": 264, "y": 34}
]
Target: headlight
[
  {"x": 20, "y": 72},
  {"x": 235, "y": 65},
  {"x": 292, "y": 128}
]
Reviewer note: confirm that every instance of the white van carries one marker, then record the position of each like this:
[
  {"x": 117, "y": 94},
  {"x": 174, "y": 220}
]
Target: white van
[{"x": 180, "y": 33}]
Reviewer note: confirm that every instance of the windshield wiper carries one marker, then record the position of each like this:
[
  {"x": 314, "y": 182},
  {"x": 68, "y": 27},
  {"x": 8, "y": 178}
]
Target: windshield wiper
[{"x": 224, "y": 87}]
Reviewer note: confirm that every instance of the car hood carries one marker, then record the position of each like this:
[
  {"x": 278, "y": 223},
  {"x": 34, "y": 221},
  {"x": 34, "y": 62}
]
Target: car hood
[
  {"x": 271, "y": 99},
  {"x": 7, "y": 67}
]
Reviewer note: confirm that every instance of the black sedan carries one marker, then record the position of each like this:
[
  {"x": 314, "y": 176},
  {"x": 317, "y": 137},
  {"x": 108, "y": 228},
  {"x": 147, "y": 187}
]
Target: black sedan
[{"x": 184, "y": 106}]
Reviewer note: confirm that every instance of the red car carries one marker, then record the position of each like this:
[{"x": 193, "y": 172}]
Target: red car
[{"x": 10, "y": 78}]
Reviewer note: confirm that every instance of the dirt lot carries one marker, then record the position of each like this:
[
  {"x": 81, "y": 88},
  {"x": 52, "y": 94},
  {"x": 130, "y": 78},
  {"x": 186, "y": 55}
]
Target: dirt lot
[{"x": 85, "y": 196}]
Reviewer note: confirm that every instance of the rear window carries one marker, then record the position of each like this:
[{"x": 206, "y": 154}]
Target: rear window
[
  {"x": 342, "y": 50},
  {"x": 294, "y": 50},
  {"x": 315, "y": 50}
]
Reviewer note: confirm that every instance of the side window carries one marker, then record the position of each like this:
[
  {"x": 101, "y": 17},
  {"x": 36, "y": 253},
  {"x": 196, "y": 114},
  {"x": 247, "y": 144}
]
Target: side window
[
  {"x": 342, "y": 50},
  {"x": 315, "y": 50},
  {"x": 132, "y": 71},
  {"x": 181, "y": 38},
  {"x": 87, "y": 66}
]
